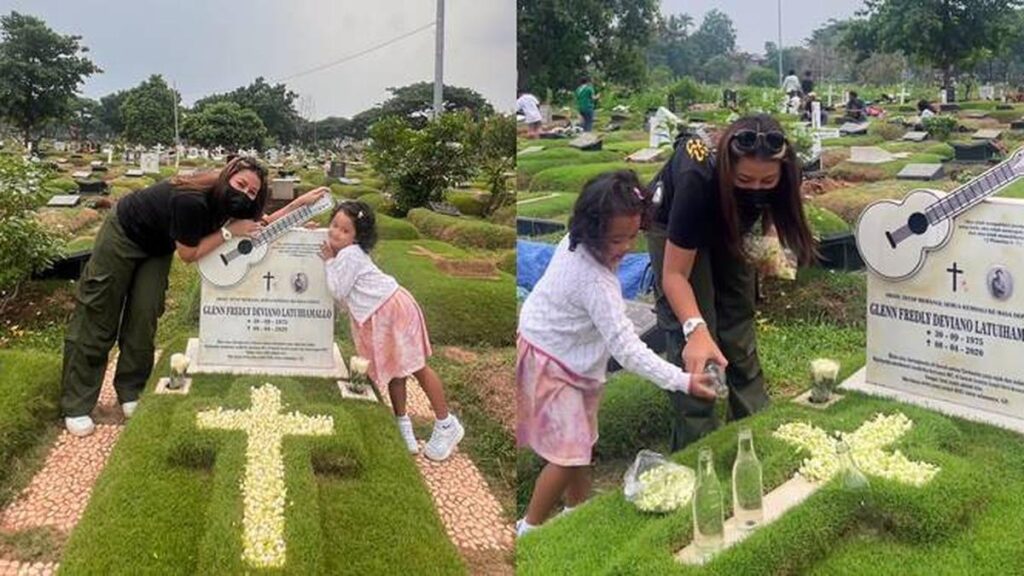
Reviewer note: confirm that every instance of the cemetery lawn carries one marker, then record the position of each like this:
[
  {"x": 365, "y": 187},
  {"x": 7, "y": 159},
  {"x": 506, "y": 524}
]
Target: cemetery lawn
[{"x": 962, "y": 522}]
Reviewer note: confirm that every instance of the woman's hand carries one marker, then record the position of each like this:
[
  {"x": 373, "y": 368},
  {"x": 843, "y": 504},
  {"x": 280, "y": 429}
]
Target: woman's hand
[
  {"x": 701, "y": 386},
  {"x": 310, "y": 197},
  {"x": 700, "y": 349},
  {"x": 326, "y": 252},
  {"x": 248, "y": 228}
]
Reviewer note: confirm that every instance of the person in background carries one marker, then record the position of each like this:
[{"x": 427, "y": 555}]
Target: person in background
[
  {"x": 528, "y": 105},
  {"x": 855, "y": 108},
  {"x": 586, "y": 98},
  {"x": 791, "y": 83},
  {"x": 807, "y": 84},
  {"x": 925, "y": 109}
]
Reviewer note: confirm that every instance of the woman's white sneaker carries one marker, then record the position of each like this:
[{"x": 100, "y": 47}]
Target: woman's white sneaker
[{"x": 80, "y": 426}]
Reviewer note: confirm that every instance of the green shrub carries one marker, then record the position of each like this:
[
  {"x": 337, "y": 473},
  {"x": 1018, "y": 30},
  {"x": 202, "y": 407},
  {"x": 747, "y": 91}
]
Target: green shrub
[
  {"x": 940, "y": 127},
  {"x": 823, "y": 222},
  {"x": 504, "y": 216},
  {"x": 462, "y": 231},
  {"x": 31, "y": 389},
  {"x": 380, "y": 203},
  {"x": 469, "y": 203},
  {"x": 26, "y": 245},
  {"x": 687, "y": 91},
  {"x": 64, "y": 184},
  {"x": 346, "y": 191},
  {"x": 507, "y": 263},
  {"x": 634, "y": 414},
  {"x": 572, "y": 178},
  {"x": 763, "y": 77},
  {"x": 886, "y": 130},
  {"x": 389, "y": 228}
]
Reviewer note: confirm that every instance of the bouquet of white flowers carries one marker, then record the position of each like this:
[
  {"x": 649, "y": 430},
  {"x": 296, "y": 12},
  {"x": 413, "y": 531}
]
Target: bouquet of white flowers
[
  {"x": 179, "y": 366},
  {"x": 359, "y": 379}
]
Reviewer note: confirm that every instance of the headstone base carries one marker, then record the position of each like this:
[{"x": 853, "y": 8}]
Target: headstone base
[
  {"x": 161, "y": 387},
  {"x": 346, "y": 392},
  {"x": 805, "y": 400},
  {"x": 338, "y": 371},
  {"x": 858, "y": 382}
]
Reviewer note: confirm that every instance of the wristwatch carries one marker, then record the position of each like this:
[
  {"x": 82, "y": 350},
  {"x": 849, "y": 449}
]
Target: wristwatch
[
  {"x": 225, "y": 233},
  {"x": 691, "y": 324}
]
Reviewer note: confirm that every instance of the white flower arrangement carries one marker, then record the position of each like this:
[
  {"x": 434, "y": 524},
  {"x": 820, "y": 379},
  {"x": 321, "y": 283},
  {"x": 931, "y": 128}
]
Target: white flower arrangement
[
  {"x": 263, "y": 488},
  {"x": 359, "y": 365},
  {"x": 824, "y": 370},
  {"x": 866, "y": 444},
  {"x": 665, "y": 488},
  {"x": 359, "y": 379},
  {"x": 179, "y": 363}
]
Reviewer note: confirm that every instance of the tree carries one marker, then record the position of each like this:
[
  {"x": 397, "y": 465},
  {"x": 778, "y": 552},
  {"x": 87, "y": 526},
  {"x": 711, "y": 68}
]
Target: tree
[
  {"x": 415, "y": 103},
  {"x": 110, "y": 111},
  {"x": 224, "y": 124},
  {"x": 949, "y": 35},
  {"x": 274, "y": 104},
  {"x": 148, "y": 112},
  {"x": 559, "y": 40},
  {"x": 715, "y": 36},
  {"x": 40, "y": 72},
  {"x": 671, "y": 46},
  {"x": 418, "y": 166},
  {"x": 496, "y": 157}
]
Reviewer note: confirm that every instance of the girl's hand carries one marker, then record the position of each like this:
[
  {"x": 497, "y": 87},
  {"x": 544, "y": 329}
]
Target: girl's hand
[
  {"x": 248, "y": 228},
  {"x": 310, "y": 197},
  {"x": 326, "y": 252},
  {"x": 701, "y": 387},
  {"x": 699, "y": 350}
]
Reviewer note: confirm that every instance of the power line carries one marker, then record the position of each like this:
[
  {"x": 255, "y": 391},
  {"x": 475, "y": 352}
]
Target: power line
[{"x": 344, "y": 59}]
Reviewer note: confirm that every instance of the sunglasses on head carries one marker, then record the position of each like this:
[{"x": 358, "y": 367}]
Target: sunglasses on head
[{"x": 772, "y": 142}]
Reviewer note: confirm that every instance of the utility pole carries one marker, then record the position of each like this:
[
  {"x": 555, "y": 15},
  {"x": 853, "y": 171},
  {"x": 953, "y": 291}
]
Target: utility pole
[
  {"x": 780, "y": 42},
  {"x": 439, "y": 61},
  {"x": 177, "y": 138}
]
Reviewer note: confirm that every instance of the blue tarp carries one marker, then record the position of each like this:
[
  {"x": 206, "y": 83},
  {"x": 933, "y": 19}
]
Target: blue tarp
[{"x": 532, "y": 259}]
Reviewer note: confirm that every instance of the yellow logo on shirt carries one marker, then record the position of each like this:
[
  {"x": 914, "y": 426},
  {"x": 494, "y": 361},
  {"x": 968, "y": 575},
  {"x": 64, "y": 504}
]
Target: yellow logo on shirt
[{"x": 697, "y": 149}]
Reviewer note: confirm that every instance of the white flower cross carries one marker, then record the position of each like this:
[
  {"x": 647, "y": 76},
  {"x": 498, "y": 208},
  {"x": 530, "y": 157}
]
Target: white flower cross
[
  {"x": 263, "y": 490},
  {"x": 866, "y": 446}
]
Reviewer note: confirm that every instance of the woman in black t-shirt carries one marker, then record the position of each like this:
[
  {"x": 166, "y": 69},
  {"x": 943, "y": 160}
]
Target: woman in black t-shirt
[
  {"x": 120, "y": 295},
  {"x": 704, "y": 280}
]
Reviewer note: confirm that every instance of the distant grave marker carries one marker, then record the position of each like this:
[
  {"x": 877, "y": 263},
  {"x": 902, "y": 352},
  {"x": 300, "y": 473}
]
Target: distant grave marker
[
  {"x": 445, "y": 208},
  {"x": 987, "y": 134},
  {"x": 915, "y": 136},
  {"x": 854, "y": 128},
  {"x": 921, "y": 172},
  {"x": 645, "y": 155},
  {"x": 587, "y": 142},
  {"x": 64, "y": 200},
  {"x": 529, "y": 150}
]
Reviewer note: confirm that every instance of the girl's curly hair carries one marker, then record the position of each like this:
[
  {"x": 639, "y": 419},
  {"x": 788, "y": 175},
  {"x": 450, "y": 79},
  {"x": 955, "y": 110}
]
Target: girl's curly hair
[
  {"x": 362, "y": 217},
  {"x": 604, "y": 197}
]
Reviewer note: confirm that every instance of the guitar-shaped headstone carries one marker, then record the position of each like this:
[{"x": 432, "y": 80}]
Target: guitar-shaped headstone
[
  {"x": 895, "y": 237},
  {"x": 228, "y": 264}
]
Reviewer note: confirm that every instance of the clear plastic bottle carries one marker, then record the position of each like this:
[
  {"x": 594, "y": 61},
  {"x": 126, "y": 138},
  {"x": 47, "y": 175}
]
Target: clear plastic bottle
[
  {"x": 708, "y": 513},
  {"x": 747, "y": 484}
]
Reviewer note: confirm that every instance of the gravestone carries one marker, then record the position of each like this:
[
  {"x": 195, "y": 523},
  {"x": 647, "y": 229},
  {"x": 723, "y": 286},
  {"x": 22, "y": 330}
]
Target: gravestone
[
  {"x": 587, "y": 142},
  {"x": 60, "y": 146},
  {"x": 529, "y": 150},
  {"x": 620, "y": 117},
  {"x": 870, "y": 155},
  {"x": 1004, "y": 106},
  {"x": 91, "y": 186},
  {"x": 951, "y": 337},
  {"x": 853, "y": 128},
  {"x": 921, "y": 172},
  {"x": 987, "y": 92},
  {"x": 282, "y": 189},
  {"x": 336, "y": 169},
  {"x": 915, "y": 136},
  {"x": 64, "y": 200},
  {"x": 815, "y": 115},
  {"x": 1017, "y": 125},
  {"x": 975, "y": 114},
  {"x": 949, "y": 107},
  {"x": 133, "y": 173},
  {"x": 980, "y": 151},
  {"x": 149, "y": 162},
  {"x": 663, "y": 126},
  {"x": 81, "y": 174},
  {"x": 279, "y": 319},
  {"x": 446, "y": 208},
  {"x": 987, "y": 134},
  {"x": 349, "y": 181},
  {"x": 646, "y": 155}
]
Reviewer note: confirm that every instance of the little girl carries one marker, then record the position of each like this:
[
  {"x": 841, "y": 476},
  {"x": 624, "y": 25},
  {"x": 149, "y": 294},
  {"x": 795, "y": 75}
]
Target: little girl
[
  {"x": 569, "y": 325},
  {"x": 387, "y": 324}
]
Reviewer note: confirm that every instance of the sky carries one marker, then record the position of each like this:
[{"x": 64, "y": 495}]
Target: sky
[
  {"x": 757, "y": 21},
  {"x": 210, "y": 46}
]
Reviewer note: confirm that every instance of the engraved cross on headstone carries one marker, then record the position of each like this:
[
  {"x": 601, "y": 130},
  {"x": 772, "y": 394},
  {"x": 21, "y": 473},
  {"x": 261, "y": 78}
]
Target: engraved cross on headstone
[{"x": 954, "y": 271}]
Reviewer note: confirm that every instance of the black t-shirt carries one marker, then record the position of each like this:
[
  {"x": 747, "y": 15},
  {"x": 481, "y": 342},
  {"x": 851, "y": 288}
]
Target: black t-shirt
[
  {"x": 807, "y": 85},
  {"x": 157, "y": 217},
  {"x": 690, "y": 208}
]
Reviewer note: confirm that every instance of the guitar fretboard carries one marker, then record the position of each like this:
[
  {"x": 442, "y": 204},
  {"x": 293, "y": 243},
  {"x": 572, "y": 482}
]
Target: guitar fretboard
[
  {"x": 284, "y": 223},
  {"x": 971, "y": 193}
]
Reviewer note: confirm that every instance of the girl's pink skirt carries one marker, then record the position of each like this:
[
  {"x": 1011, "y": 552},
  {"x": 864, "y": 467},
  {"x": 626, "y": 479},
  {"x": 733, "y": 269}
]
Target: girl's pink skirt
[
  {"x": 394, "y": 339},
  {"x": 556, "y": 408}
]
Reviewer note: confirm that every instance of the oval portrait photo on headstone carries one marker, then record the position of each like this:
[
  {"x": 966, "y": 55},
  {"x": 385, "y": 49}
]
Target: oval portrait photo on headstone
[
  {"x": 300, "y": 282},
  {"x": 999, "y": 283}
]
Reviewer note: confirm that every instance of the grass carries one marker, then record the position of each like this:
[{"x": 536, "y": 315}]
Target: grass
[
  {"x": 572, "y": 178},
  {"x": 823, "y": 222},
  {"x": 958, "y": 523},
  {"x": 557, "y": 207},
  {"x": 847, "y": 203},
  {"x": 30, "y": 381},
  {"x": 454, "y": 307},
  {"x": 464, "y": 232},
  {"x": 173, "y": 491}
]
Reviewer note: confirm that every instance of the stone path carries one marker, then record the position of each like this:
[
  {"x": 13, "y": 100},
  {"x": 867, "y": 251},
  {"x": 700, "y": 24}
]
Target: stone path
[
  {"x": 57, "y": 495},
  {"x": 471, "y": 514}
]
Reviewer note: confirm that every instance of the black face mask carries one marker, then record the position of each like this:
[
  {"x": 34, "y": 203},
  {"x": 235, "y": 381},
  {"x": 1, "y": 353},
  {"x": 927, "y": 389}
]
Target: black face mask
[
  {"x": 239, "y": 205},
  {"x": 756, "y": 199}
]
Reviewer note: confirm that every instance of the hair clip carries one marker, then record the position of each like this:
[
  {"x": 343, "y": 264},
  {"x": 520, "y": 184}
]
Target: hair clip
[
  {"x": 638, "y": 193},
  {"x": 360, "y": 215}
]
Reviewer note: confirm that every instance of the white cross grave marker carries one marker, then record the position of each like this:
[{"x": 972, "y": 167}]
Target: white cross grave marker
[
  {"x": 263, "y": 489},
  {"x": 867, "y": 447}
]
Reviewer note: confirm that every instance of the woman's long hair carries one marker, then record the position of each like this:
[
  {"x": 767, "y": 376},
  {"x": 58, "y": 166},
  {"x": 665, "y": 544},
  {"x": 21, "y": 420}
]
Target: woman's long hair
[
  {"x": 786, "y": 209},
  {"x": 215, "y": 183}
]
